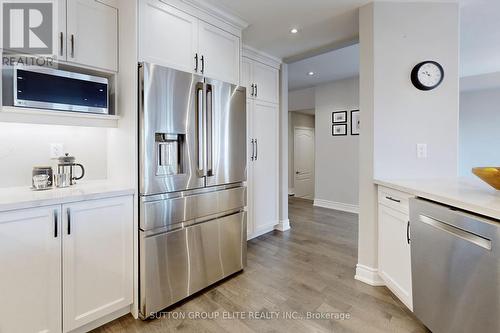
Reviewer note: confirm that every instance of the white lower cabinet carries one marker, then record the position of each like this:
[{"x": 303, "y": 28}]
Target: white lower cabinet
[
  {"x": 65, "y": 266},
  {"x": 97, "y": 259},
  {"x": 263, "y": 180},
  {"x": 30, "y": 270},
  {"x": 394, "y": 244}
]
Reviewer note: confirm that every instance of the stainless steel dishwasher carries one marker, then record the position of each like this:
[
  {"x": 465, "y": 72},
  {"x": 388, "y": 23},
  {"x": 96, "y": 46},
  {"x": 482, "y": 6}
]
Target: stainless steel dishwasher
[{"x": 455, "y": 269}]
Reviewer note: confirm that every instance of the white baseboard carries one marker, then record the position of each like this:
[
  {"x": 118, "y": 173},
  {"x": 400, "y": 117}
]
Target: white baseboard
[
  {"x": 260, "y": 232},
  {"x": 284, "y": 225},
  {"x": 337, "y": 206},
  {"x": 368, "y": 275}
]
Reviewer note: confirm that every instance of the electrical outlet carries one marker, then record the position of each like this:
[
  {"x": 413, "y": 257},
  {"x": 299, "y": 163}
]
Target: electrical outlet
[
  {"x": 56, "y": 150},
  {"x": 421, "y": 150}
]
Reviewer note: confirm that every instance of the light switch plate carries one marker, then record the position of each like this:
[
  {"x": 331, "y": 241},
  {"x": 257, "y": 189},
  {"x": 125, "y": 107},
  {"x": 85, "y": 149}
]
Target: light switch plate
[
  {"x": 421, "y": 150},
  {"x": 56, "y": 150}
]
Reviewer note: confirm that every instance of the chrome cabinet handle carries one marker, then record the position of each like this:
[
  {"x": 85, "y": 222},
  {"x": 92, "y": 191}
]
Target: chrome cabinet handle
[
  {"x": 253, "y": 90},
  {"x": 61, "y": 42},
  {"x": 408, "y": 232},
  {"x": 68, "y": 215},
  {"x": 196, "y": 62},
  {"x": 202, "y": 64},
  {"x": 55, "y": 223},
  {"x": 392, "y": 199},
  {"x": 256, "y": 150},
  {"x": 256, "y": 91},
  {"x": 72, "y": 46},
  {"x": 253, "y": 149}
]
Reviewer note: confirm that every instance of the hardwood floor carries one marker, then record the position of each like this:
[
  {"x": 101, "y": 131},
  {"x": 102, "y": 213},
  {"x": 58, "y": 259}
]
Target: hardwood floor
[{"x": 307, "y": 269}]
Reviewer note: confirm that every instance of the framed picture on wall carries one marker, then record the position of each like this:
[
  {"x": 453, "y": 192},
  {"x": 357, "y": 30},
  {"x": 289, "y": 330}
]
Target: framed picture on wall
[
  {"x": 355, "y": 123},
  {"x": 339, "y": 130},
  {"x": 339, "y": 117}
]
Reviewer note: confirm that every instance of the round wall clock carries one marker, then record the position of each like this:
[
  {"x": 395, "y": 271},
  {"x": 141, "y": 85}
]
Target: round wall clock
[{"x": 427, "y": 75}]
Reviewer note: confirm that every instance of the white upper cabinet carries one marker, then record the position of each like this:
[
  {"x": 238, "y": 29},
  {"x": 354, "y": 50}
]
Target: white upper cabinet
[
  {"x": 221, "y": 53},
  {"x": 97, "y": 260},
  {"x": 173, "y": 38},
  {"x": 92, "y": 34},
  {"x": 261, "y": 81},
  {"x": 30, "y": 261},
  {"x": 266, "y": 80},
  {"x": 167, "y": 36}
]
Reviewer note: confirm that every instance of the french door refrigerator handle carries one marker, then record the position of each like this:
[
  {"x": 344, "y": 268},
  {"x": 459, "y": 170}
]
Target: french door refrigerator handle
[
  {"x": 196, "y": 62},
  {"x": 56, "y": 218},
  {"x": 200, "y": 129},
  {"x": 209, "y": 120}
]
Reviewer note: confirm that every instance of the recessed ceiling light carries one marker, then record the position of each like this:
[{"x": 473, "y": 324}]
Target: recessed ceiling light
[
  {"x": 310, "y": 73},
  {"x": 294, "y": 30}
]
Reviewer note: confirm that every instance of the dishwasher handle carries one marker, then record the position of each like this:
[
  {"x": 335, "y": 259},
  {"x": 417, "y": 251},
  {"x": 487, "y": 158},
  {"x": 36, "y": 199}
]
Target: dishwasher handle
[{"x": 456, "y": 232}]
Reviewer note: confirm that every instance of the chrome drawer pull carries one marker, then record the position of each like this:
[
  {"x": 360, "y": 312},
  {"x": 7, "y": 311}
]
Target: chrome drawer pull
[{"x": 392, "y": 199}]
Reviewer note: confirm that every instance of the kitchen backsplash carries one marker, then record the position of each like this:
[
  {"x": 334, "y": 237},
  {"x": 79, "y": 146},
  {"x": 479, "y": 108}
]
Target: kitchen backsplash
[{"x": 26, "y": 145}]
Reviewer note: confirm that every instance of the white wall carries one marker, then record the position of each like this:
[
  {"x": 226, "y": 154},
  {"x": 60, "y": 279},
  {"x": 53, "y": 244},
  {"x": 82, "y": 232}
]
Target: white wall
[
  {"x": 301, "y": 99},
  {"x": 296, "y": 119},
  {"x": 26, "y": 145},
  {"x": 396, "y": 116},
  {"x": 405, "y": 116},
  {"x": 479, "y": 130},
  {"x": 336, "y": 166}
]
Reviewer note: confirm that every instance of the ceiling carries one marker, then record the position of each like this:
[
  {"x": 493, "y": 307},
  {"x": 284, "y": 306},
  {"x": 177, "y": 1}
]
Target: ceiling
[
  {"x": 327, "y": 67},
  {"x": 322, "y": 24},
  {"x": 479, "y": 37}
]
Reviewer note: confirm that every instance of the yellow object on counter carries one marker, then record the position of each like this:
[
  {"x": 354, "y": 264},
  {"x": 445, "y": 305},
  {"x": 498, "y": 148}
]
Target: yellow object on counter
[{"x": 490, "y": 175}]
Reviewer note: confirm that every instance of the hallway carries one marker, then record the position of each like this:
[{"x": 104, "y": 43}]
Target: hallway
[{"x": 308, "y": 269}]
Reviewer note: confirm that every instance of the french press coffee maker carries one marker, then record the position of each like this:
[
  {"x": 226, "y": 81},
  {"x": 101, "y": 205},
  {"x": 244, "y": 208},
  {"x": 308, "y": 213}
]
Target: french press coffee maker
[{"x": 67, "y": 166}]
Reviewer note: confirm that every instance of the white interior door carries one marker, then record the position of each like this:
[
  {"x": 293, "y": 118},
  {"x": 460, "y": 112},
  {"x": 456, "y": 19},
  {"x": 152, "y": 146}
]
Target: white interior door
[
  {"x": 97, "y": 259},
  {"x": 30, "y": 266},
  {"x": 92, "y": 34},
  {"x": 221, "y": 53},
  {"x": 304, "y": 162}
]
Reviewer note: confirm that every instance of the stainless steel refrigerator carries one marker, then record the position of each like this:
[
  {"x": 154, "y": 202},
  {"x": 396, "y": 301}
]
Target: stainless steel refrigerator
[{"x": 192, "y": 168}]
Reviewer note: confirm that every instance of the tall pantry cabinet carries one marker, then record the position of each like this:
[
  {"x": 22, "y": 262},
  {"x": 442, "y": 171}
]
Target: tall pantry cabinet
[{"x": 262, "y": 83}]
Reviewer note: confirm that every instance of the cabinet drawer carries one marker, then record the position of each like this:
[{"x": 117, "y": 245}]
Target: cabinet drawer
[{"x": 394, "y": 199}]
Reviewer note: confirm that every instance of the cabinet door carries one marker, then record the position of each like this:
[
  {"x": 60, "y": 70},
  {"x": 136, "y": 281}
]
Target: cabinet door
[
  {"x": 30, "y": 261},
  {"x": 394, "y": 253},
  {"x": 92, "y": 38},
  {"x": 221, "y": 53},
  {"x": 59, "y": 36},
  {"x": 167, "y": 36},
  {"x": 265, "y": 166},
  {"x": 246, "y": 76},
  {"x": 267, "y": 80},
  {"x": 97, "y": 259}
]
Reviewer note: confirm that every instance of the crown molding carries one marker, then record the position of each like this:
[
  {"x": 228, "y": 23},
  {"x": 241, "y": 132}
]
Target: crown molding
[
  {"x": 267, "y": 59},
  {"x": 219, "y": 13}
]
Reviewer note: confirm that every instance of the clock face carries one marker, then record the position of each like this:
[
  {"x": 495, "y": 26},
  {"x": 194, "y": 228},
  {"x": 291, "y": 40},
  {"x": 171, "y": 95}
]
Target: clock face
[{"x": 427, "y": 75}]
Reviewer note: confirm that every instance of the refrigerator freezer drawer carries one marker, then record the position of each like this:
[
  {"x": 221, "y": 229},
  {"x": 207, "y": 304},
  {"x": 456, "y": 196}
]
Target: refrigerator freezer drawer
[
  {"x": 190, "y": 206},
  {"x": 177, "y": 264}
]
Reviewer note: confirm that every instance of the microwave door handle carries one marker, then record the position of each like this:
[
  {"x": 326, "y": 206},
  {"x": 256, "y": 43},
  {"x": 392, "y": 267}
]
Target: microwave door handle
[
  {"x": 209, "y": 119},
  {"x": 200, "y": 129}
]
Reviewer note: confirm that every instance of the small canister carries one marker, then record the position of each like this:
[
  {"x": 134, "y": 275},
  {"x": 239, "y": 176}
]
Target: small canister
[{"x": 42, "y": 170}]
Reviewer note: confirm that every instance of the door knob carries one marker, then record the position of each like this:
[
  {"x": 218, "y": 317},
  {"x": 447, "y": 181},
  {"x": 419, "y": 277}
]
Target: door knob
[{"x": 296, "y": 172}]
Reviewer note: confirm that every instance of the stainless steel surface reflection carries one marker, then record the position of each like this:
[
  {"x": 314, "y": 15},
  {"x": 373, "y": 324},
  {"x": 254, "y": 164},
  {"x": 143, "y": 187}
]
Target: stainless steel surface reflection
[
  {"x": 192, "y": 168},
  {"x": 455, "y": 269}
]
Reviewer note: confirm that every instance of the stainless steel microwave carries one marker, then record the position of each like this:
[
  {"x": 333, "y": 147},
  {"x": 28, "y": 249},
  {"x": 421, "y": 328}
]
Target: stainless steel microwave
[{"x": 53, "y": 89}]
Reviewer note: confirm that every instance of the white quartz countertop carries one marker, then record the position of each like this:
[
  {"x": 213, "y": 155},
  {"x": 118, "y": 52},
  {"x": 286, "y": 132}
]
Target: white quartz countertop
[
  {"x": 12, "y": 198},
  {"x": 468, "y": 194}
]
